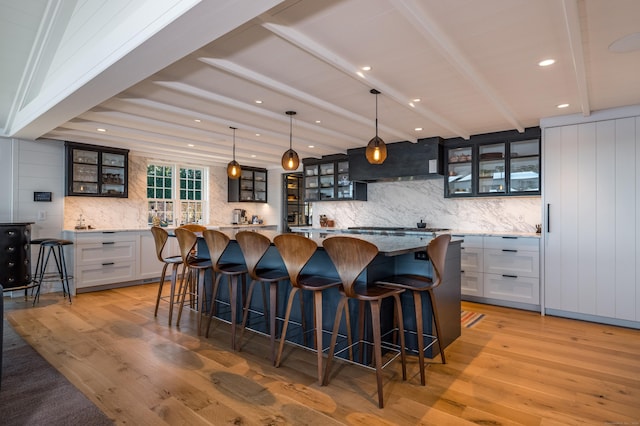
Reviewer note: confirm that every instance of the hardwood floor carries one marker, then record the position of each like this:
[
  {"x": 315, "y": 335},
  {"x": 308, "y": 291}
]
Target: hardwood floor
[{"x": 514, "y": 367}]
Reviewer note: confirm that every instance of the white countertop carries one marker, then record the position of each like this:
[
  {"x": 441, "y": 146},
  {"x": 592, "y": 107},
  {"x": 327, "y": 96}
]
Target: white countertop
[{"x": 146, "y": 228}]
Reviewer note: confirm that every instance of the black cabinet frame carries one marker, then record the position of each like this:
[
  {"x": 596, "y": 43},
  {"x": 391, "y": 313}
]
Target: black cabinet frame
[{"x": 104, "y": 173}]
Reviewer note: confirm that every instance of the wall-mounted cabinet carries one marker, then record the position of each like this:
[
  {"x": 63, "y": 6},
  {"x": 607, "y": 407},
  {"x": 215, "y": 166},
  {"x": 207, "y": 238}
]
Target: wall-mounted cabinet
[
  {"x": 327, "y": 179},
  {"x": 297, "y": 212},
  {"x": 96, "y": 171},
  {"x": 251, "y": 187},
  {"x": 493, "y": 164}
]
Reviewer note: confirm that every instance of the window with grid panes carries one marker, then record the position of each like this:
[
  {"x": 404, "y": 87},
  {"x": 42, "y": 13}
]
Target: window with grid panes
[{"x": 183, "y": 198}]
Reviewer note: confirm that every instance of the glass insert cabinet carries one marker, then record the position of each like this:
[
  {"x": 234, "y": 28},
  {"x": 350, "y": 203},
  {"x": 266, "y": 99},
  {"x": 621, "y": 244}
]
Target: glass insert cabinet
[
  {"x": 96, "y": 171},
  {"x": 327, "y": 179},
  {"x": 494, "y": 164},
  {"x": 251, "y": 187}
]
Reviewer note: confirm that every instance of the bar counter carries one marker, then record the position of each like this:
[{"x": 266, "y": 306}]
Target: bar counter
[{"x": 398, "y": 254}]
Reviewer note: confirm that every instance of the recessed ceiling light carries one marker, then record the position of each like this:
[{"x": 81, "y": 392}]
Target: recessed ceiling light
[
  {"x": 257, "y": 134},
  {"x": 360, "y": 74},
  {"x": 418, "y": 129},
  {"x": 100, "y": 129},
  {"x": 411, "y": 105},
  {"x": 416, "y": 100},
  {"x": 258, "y": 101},
  {"x": 318, "y": 121},
  {"x": 253, "y": 156},
  {"x": 366, "y": 68},
  {"x": 197, "y": 120},
  {"x": 312, "y": 146},
  {"x": 190, "y": 145},
  {"x": 562, "y": 105},
  {"x": 546, "y": 62}
]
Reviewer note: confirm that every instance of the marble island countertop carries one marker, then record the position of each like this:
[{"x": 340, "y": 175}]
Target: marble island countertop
[
  {"x": 144, "y": 228},
  {"x": 416, "y": 232}
]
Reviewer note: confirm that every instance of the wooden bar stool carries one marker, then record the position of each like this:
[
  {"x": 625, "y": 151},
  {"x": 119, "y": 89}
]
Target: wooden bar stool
[
  {"x": 160, "y": 237},
  {"x": 296, "y": 250},
  {"x": 217, "y": 243},
  {"x": 196, "y": 269},
  {"x": 350, "y": 257},
  {"x": 437, "y": 252},
  {"x": 254, "y": 246}
]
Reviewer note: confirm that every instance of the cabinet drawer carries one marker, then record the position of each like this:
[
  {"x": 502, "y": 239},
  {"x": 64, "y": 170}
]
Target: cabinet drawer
[
  {"x": 104, "y": 237},
  {"x": 515, "y": 289},
  {"x": 107, "y": 251},
  {"x": 471, "y": 240},
  {"x": 512, "y": 243},
  {"x": 471, "y": 259},
  {"x": 518, "y": 263},
  {"x": 105, "y": 273},
  {"x": 472, "y": 283}
]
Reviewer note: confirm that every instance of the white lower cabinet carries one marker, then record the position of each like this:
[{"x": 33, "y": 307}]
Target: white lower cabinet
[{"x": 499, "y": 269}]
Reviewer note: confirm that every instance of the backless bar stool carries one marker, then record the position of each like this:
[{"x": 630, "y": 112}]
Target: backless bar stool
[
  {"x": 56, "y": 247},
  {"x": 437, "y": 251}
]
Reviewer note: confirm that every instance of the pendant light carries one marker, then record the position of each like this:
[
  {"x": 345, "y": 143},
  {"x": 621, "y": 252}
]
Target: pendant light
[
  {"x": 376, "y": 151},
  {"x": 233, "y": 168},
  {"x": 290, "y": 159}
]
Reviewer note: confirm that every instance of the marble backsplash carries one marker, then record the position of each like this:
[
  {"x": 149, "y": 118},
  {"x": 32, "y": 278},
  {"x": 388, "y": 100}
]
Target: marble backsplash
[{"x": 403, "y": 204}]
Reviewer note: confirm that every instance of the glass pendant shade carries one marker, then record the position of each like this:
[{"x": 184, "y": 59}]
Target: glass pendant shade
[
  {"x": 376, "y": 151},
  {"x": 290, "y": 159},
  {"x": 233, "y": 168}
]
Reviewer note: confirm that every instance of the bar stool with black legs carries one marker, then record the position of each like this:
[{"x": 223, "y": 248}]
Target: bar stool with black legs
[
  {"x": 351, "y": 256},
  {"x": 160, "y": 237},
  {"x": 55, "y": 247},
  {"x": 217, "y": 243},
  {"x": 254, "y": 246},
  {"x": 296, "y": 251},
  {"x": 417, "y": 284},
  {"x": 194, "y": 278}
]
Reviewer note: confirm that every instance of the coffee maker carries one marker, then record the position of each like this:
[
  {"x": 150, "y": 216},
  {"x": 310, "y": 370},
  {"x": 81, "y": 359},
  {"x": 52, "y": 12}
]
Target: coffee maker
[{"x": 239, "y": 216}]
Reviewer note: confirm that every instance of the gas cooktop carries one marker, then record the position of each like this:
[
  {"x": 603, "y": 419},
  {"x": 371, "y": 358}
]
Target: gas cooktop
[{"x": 394, "y": 228}]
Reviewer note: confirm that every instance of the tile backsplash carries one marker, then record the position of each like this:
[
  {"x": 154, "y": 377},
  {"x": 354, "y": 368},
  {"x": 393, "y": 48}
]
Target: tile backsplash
[{"x": 403, "y": 204}]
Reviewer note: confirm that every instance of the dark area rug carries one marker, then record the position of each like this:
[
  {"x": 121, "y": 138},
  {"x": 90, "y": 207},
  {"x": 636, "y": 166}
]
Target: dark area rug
[{"x": 35, "y": 393}]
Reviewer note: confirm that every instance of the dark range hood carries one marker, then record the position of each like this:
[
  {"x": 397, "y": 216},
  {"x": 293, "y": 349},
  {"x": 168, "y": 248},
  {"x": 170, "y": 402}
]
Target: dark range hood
[{"x": 405, "y": 161}]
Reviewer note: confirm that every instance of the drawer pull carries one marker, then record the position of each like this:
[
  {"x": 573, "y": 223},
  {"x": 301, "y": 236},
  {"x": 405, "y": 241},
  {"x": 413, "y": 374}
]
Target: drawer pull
[
  {"x": 108, "y": 242},
  {"x": 108, "y": 232},
  {"x": 108, "y": 264},
  {"x": 510, "y": 238},
  {"x": 510, "y": 250},
  {"x": 509, "y": 276}
]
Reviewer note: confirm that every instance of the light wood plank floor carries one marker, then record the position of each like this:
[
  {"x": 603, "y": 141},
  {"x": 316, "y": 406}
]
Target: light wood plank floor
[{"x": 514, "y": 367}]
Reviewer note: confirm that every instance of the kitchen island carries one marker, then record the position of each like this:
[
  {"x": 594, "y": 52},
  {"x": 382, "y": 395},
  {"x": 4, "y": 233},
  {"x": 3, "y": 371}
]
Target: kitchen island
[{"x": 398, "y": 254}]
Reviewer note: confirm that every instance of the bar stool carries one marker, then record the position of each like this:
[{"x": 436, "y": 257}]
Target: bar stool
[
  {"x": 296, "y": 251},
  {"x": 437, "y": 252},
  {"x": 351, "y": 256},
  {"x": 196, "y": 268},
  {"x": 160, "y": 237},
  {"x": 56, "y": 247},
  {"x": 254, "y": 246},
  {"x": 217, "y": 243}
]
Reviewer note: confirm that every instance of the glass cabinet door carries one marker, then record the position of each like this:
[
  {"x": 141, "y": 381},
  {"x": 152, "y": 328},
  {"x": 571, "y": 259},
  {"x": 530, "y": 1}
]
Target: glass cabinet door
[
  {"x": 260, "y": 186},
  {"x": 345, "y": 186},
  {"x": 491, "y": 169},
  {"x": 327, "y": 181},
  {"x": 311, "y": 183},
  {"x": 246, "y": 185},
  {"x": 112, "y": 173},
  {"x": 459, "y": 181},
  {"x": 95, "y": 170},
  {"x": 524, "y": 170}
]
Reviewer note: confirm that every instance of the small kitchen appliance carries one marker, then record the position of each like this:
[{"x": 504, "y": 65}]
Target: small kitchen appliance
[{"x": 239, "y": 216}]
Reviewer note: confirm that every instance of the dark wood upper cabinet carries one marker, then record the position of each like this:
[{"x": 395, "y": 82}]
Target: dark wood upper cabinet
[{"x": 96, "y": 171}]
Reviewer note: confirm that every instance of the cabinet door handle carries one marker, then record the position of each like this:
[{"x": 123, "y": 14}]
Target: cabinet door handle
[
  {"x": 548, "y": 217},
  {"x": 462, "y": 271},
  {"x": 108, "y": 263},
  {"x": 510, "y": 238},
  {"x": 509, "y": 276},
  {"x": 510, "y": 250},
  {"x": 108, "y": 232},
  {"x": 108, "y": 242},
  {"x": 461, "y": 248}
]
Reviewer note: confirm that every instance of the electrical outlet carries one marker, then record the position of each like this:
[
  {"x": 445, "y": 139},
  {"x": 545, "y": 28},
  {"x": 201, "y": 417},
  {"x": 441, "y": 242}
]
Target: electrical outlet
[{"x": 421, "y": 255}]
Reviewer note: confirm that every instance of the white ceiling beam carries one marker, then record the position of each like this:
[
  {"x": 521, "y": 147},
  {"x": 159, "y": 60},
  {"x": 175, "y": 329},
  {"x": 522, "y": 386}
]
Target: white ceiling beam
[
  {"x": 331, "y": 58},
  {"x": 431, "y": 31},
  {"x": 243, "y": 106},
  {"x": 292, "y": 92},
  {"x": 574, "y": 34}
]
